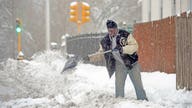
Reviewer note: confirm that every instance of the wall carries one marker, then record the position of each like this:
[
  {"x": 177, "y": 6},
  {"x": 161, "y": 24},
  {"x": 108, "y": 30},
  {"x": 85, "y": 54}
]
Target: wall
[
  {"x": 145, "y": 10},
  {"x": 167, "y": 8},
  {"x": 155, "y": 10}
]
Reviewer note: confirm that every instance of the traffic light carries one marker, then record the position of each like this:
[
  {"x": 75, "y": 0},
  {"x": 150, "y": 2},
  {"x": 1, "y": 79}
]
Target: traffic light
[
  {"x": 85, "y": 12},
  {"x": 74, "y": 12},
  {"x": 19, "y": 30},
  {"x": 18, "y": 25},
  {"x": 76, "y": 16}
]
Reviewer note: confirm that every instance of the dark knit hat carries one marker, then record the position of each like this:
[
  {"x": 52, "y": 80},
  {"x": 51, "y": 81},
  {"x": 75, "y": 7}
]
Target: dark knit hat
[{"x": 111, "y": 24}]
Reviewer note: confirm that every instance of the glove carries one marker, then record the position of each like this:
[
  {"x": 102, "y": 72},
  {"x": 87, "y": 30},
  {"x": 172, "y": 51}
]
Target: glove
[{"x": 118, "y": 48}]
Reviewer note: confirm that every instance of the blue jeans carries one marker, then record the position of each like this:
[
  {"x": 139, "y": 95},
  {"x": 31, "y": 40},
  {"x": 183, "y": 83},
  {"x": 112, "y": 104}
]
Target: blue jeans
[{"x": 135, "y": 76}]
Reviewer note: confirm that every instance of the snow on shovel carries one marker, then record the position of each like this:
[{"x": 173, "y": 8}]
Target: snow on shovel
[{"x": 73, "y": 61}]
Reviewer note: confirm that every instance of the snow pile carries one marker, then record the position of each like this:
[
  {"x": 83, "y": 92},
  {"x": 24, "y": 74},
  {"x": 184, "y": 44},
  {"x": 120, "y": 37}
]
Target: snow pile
[
  {"x": 35, "y": 78},
  {"x": 38, "y": 83}
]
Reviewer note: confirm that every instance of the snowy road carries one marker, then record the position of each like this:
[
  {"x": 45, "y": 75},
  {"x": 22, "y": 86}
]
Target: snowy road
[{"x": 39, "y": 84}]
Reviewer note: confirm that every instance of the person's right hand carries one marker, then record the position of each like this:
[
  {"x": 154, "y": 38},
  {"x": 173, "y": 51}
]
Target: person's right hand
[{"x": 95, "y": 58}]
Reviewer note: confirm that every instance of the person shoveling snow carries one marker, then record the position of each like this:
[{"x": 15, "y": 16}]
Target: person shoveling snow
[{"x": 121, "y": 59}]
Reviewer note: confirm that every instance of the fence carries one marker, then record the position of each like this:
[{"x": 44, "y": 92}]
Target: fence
[
  {"x": 156, "y": 45},
  {"x": 84, "y": 44},
  {"x": 184, "y": 52}
]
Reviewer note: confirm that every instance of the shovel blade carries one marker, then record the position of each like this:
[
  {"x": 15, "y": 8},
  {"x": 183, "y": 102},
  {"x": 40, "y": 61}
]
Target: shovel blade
[{"x": 70, "y": 64}]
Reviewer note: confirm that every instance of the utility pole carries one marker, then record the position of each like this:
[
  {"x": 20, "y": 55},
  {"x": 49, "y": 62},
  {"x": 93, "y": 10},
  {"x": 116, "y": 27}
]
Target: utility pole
[{"x": 47, "y": 24}]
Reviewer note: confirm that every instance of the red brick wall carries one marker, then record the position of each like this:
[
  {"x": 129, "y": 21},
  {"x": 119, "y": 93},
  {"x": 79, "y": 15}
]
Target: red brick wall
[{"x": 157, "y": 49}]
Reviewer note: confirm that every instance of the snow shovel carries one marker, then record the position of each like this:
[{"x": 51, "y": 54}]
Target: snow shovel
[{"x": 73, "y": 61}]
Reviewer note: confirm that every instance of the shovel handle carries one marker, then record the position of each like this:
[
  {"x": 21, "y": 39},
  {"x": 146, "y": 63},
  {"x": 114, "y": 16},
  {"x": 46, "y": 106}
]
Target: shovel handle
[{"x": 97, "y": 53}]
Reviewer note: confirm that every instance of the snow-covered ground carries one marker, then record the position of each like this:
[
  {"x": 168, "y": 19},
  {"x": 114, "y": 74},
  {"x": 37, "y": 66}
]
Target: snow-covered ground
[{"x": 39, "y": 84}]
